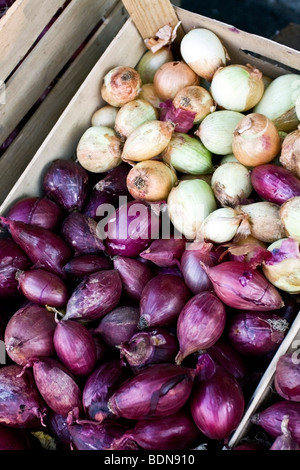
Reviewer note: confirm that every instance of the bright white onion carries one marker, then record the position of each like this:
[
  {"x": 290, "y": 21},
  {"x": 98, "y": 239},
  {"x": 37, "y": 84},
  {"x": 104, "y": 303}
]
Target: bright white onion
[
  {"x": 265, "y": 221},
  {"x": 217, "y": 129},
  {"x": 196, "y": 99},
  {"x": 151, "y": 180},
  {"x": 151, "y": 61},
  {"x": 290, "y": 152},
  {"x": 121, "y": 85},
  {"x": 105, "y": 116},
  {"x": 171, "y": 77},
  {"x": 223, "y": 225},
  {"x": 256, "y": 140},
  {"x": 231, "y": 184},
  {"x": 290, "y": 217},
  {"x": 131, "y": 115},
  {"x": 203, "y": 51},
  {"x": 99, "y": 149},
  {"x": 237, "y": 87}
]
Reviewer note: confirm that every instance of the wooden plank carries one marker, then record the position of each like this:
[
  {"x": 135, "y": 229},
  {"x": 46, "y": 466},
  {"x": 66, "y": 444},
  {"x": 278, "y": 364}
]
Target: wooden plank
[
  {"x": 48, "y": 58},
  {"x": 20, "y": 152},
  {"x": 19, "y": 29}
]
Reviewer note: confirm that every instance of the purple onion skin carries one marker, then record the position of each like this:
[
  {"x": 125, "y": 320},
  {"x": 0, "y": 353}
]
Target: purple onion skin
[
  {"x": 12, "y": 259},
  {"x": 175, "y": 432},
  {"x": 67, "y": 184},
  {"x": 43, "y": 287},
  {"x": 227, "y": 357},
  {"x": 95, "y": 296},
  {"x": 29, "y": 333},
  {"x": 90, "y": 436},
  {"x": 58, "y": 388},
  {"x": 21, "y": 405},
  {"x": 39, "y": 211},
  {"x": 193, "y": 273},
  {"x": 118, "y": 325},
  {"x": 287, "y": 377},
  {"x": 80, "y": 232},
  {"x": 130, "y": 229},
  {"x": 96, "y": 204},
  {"x": 243, "y": 288},
  {"x": 157, "y": 390},
  {"x": 75, "y": 347},
  {"x": 165, "y": 252},
  {"x": 134, "y": 275},
  {"x": 13, "y": 439},
  {"x": 83, "y": 265},
  {"x": 44, "y": 248},
  {"x": 217, "y": 404},
  {"x": 285, "y": 442},
  {"x": 200, "y": 324},
  {"x": 256, "y": 333},
  {"x": 274, "y": 183},
  {"x": 114, "y": 182},
  {"x": 59, "y": 427},
  {"x": 162, "y": 300},
  {"x": 270, "y": 419},
  {"x": 151, "y": 346},
  {"x": 100, "y": 386}
]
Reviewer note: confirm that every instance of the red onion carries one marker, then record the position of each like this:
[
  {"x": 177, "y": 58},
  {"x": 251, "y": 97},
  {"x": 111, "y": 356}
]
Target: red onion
[
  {"x": 66, "y": 183},
  {"x": 58, "y": 425},
  {"x": 193, "y": 273},
  {"x": 287, "y": 377},
  {"x": 83, "y": 265},
  {"x": 182, "y": 118},
  {"x": 285, "y": 440},
  {"x": 75, "y": 347},
  {"x": 57, "y": 387},
  {"x": 217, "y": 404},
  {"x": 44, "y": 248},
  {"x": 243, "y": 288},
  {"x": 227, "y": 357},
  {"x": 100, "y": 386},
  {"x": 270, "y": 418},
  {"x": 114, "y": 182},
  {"x": 29, "y": 333},
  {"x": 175, "y": 432},
  {"x": 134, "y": 275},
  {"x": 274, "y": 183},
  {"x": 39, "y": 211},
  {"x": 43, "y": 287},
  {"x": 165, "y": 252},
  {"x": 200, "y": 324},
  {"x": 157, "y": 390},
  {"x": 256, "y": 333},
  {"x": 130, "y": 229},
  {"x": 151, "y": 346},
  {"x": 12, "y": 258},
  {"x": 21, "y": 405},
  {"x": 95, "y": 296},
  {"x": 13, "y": 439},
  {"x": 80, "y": 233},
  {"x": 97, "y": 204},
  {"x": 162, "y": 300},
  {"x": 118, "y": 325},
  {"x": 90, "y": 436}
]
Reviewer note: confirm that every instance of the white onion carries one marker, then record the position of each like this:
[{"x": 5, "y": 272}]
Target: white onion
[
  {"x": 265, "y": 221},
  {"x": 231, "y": 184},
  {"x": 290, "y": 217},
  {"x": 131, "y": 115},
  {"x": 105, "y": 116},
  {"x": 151, "y": 61},
  {"x": 223, "y": 224}
]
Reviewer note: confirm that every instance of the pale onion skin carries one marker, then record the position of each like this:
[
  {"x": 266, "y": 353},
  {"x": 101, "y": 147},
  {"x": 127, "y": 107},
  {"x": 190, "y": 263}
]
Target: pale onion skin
[
  {"x": 151, "y": 61},
  {"x": 149, "y": 94},
  {"x": 204, "y": 52},
  {"x": 120, "y": 85},
  {"x": 290, "y": 152},
  {"x": 223, "y": 224},
  {"x": 265, "y": 221},
  {"x": 131, "y": 115},
  {"x": 237, "y": 87},
  {"x": 256, "y": 140},
  {"x": 231, "y": 184},
  {"x": 147, "y": 141},
  {"x": 171, "y": 77},
  {"x": 151, "y": 180},
  {"x": 99, "y": 149},
  {"x": 105, "y": 116},
  {"x": 196, "y": 99},
  {"x": 290, "y": 216}
]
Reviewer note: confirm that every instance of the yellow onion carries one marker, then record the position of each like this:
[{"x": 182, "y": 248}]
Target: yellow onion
[
  {"x": 105, "y": 116},
  {"x": 188, "y": 155},
  {"x": 131, "y": 115},
  {"x": 203, "y": 51},
  {"x": 151, "y": 61},
  {"x": 283, "y": 269},
  {"x": 237, "y": 87},
  {"x": 224, "y": 224},
  {"x": 121, "y": 85},
  {"x": 278, "y": 102},
  {"x": 99, "y": 149},
  {"x": 217, "y": 129},
  {"x": 290, "y": 217},
  {"x": 151, "y": 180},
  {"x": 256, "y": 140},
  {"x": 231, "y": 184},
  {"x": 290, "y": 152},
  {"x": 196, "y": 99},
  {"x": 171, "y": 77},
  {"x": 189, "y": 203},
  {"x": 265, "y": 221},
  {"x": 147, "y": 141},
  {"x": 148, "y": 93}
]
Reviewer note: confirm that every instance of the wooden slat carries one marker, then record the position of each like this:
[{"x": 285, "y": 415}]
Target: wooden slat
[
  {"x": 19, "y": 29},
  {"x": 47, "y": 59},
  {"x": 23, "y": 148}
]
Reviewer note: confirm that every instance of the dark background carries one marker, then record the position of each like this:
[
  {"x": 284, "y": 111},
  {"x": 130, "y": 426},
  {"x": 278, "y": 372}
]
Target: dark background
[{"x": 262, "y": 17}]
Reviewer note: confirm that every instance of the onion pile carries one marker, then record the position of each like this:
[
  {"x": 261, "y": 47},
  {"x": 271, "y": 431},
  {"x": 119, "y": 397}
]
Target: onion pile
[{"x": 155, "y": 267}]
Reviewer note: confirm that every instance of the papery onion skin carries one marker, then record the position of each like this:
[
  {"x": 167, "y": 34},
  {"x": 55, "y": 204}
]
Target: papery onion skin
[
  {"x": 287, "y": 377},
  {"x": 171, "y": 77},
  {"x": 196, "y": 99},
  {"x": 131, "y": 115},
  {"x": 193, "y": 273},
  {"x": 149, "y": 94},
  {"x": 84, "y": 265},
  {"x": 285, "y": 441},
  {"x": 97, "y": 202},
  {"x": 265, "y": 221},
  {"x": 224, "y": 224},
  {"x": 289, "y": 215},
  {"x": 134, "y": 275},
  {"x": 39, "y": 211},
  {"x": 231, "y": 184},
  {"x": 105, "y": 116},
  {"x": 165, "y": 252},
  {"x": 151, "y": 61},
  {"x": 12, "y": 259},
  {"x": 227, "y": 357},
  {"x": 94, "y": 436},
  {"x": 114, "y": 181},
  {"x": 290, "y": 152},
  {"x": 120, "y": 85},
  {"x": 80, "y": 232}
]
